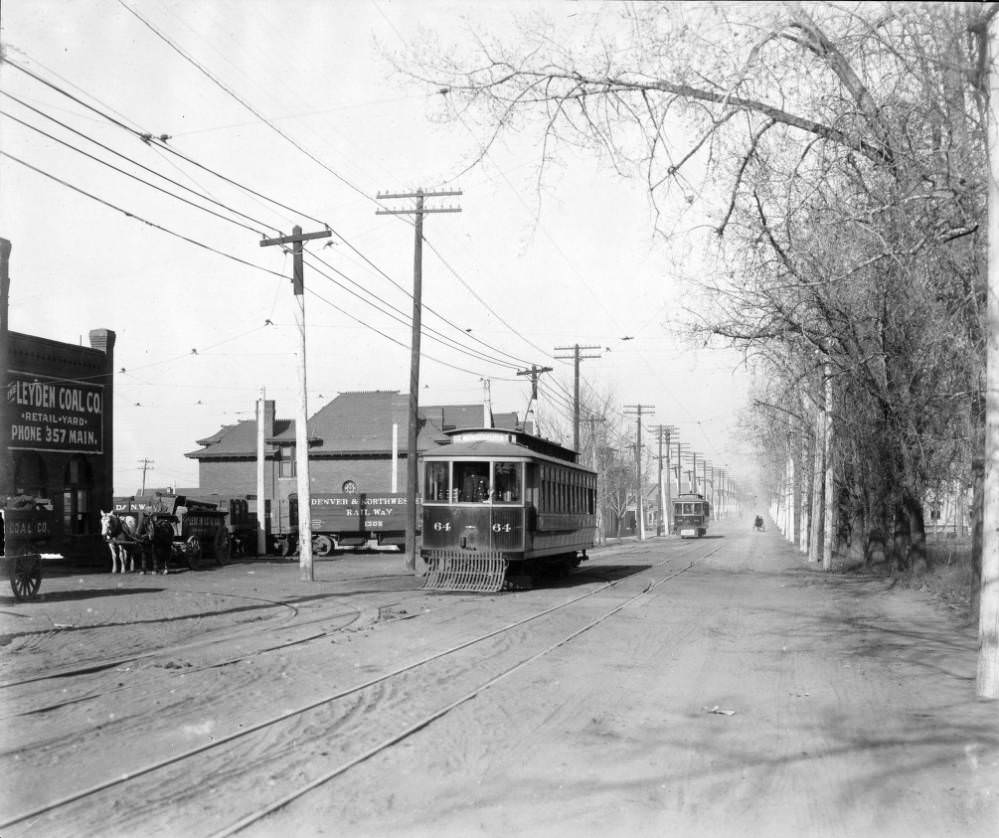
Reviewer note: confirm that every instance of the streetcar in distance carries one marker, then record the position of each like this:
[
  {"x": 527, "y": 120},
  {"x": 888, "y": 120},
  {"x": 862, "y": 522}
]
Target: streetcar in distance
[
  {"x": 501, "y": 507},
  {"x": 691, "y": 515}
]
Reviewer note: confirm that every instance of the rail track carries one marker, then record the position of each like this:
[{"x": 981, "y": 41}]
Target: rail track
[{"x": 245, "y": 752}]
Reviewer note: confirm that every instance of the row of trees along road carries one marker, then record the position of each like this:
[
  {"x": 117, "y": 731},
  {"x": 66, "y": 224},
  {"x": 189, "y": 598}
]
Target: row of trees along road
[{"x": 844, "y": 151}]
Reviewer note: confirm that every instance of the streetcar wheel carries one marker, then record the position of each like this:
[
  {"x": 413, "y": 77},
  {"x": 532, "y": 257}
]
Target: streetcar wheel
[
  {"x": 322, "y": 545},
  {"x": 25, "y": 576},
  {"x": 192, "y": 550}
]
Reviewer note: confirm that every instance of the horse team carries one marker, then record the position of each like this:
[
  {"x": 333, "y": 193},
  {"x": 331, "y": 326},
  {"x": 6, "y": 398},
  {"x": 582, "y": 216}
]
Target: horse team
[{"x": 148, "y": 535}]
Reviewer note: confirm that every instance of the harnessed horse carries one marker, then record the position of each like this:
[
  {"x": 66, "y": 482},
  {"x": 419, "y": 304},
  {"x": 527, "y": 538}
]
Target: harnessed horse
[
  {"x": 123, "y": 539},
  {"x": 157, "y": 542}
]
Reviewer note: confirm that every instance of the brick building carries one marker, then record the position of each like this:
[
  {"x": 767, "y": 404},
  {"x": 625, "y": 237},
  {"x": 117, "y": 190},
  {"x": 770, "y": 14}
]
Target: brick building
[
  {"x": 350, "y": 448},
  {"x": 58, "y": 430}
]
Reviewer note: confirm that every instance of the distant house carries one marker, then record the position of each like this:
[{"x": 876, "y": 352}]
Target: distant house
[{"x": 350, "y": 448}]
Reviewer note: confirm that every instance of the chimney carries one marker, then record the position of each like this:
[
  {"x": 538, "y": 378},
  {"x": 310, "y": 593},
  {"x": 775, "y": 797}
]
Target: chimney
[
  {"x": 269, "y": 417},
  {"x": 103, "y": 340}
]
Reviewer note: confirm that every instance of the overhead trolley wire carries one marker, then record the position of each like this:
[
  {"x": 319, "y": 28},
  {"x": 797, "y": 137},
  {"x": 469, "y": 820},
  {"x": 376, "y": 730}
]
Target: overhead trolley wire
[
  {"x": 333, "y": 305},
  {"x": 269, "y": 123},
  {"x": 433, "y": 334},
  {"x": 158, "y": 143}
]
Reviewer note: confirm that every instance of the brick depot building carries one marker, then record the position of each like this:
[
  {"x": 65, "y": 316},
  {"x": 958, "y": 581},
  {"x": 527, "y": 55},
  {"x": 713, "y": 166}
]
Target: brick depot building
[{"x": 350, "y": 448}]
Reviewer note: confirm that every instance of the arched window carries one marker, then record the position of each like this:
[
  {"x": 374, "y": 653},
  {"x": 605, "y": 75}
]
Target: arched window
[
  {"x": 77, "y": 495},
  {"x": 30, "y": 477}
]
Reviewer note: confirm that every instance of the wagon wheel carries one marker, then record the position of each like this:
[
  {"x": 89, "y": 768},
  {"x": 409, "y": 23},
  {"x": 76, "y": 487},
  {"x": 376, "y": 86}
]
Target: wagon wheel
[
  {"x": 25, "y": 575},
  {"x": 322, "y": 545},
  {"x": 223, "y": 547},
  {"x": 192, "y": 550}
]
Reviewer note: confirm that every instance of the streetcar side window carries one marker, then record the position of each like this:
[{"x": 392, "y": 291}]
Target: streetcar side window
[
  {"x": 506, "y": 482},
  {"x": 436, "y": 486},
  {"x": 471, "y": 479}
]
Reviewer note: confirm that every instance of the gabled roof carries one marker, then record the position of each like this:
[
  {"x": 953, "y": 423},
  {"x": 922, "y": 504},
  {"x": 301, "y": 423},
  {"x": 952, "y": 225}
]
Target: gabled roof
[{"x": 355, "y": 423}]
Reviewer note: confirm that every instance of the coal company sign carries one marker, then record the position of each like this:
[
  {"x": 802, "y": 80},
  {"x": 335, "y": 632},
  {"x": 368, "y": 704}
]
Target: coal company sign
[{"x": 51, "y": 414}]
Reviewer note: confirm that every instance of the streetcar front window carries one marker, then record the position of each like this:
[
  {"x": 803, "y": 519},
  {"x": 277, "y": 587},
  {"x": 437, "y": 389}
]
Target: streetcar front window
[
  {"x": 436, "y": 486},
  {"x": 506, "y": 482},
  {"x": 471, "y": 479}
]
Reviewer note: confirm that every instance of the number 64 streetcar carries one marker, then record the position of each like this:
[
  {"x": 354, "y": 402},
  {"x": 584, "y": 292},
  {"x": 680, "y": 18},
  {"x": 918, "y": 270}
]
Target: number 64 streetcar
[{"x": 501, "y": 501}]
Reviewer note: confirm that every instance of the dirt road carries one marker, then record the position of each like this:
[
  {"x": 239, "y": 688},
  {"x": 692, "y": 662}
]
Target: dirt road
[{"x": 716, "y": 687}]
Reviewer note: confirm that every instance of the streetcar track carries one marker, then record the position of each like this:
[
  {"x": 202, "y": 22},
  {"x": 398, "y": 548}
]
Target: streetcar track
[
  {"x": 358, "y": 688},
  {"x": 419, "y": 725}
]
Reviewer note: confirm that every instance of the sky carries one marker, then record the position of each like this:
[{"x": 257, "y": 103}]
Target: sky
[{"x": 297, "y": 105}]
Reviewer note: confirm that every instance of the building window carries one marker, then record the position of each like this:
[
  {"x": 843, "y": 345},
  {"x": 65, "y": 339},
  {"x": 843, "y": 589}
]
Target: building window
[
  {"x": 29, "y": 474},
  {"x": 76, "y": 496},
  {"x": 286, "y": 465}
]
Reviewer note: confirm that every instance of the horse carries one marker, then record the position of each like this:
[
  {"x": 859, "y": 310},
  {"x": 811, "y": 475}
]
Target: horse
[
  {"x": 122, "y": 537},
  {"x": 156, "y": 537}
]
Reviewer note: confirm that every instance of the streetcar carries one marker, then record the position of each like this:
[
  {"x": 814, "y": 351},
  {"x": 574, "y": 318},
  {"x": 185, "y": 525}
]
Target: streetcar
[
  {"x": 691, "y": 515},
  {"x": 501, "y": 507}
]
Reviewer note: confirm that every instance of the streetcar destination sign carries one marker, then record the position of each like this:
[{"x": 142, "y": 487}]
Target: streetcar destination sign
[{"x": 49, "y": 414}]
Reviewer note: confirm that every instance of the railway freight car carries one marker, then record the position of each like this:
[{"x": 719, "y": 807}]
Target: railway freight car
[
  {"x": 501, "y": 507},
  {"x": 348, "y": 519}
]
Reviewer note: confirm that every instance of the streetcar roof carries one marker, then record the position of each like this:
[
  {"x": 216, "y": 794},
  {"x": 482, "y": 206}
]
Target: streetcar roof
[{"x": 501, "y": 442}]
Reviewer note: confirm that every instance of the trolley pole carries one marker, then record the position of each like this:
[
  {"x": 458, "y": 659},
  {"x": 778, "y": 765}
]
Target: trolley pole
[
  {"x": 412, "y": 473},
  {"x": 306, "y": 572},
  {"x": 576, "y": 350},
  {"x": 639, "y": 410}
]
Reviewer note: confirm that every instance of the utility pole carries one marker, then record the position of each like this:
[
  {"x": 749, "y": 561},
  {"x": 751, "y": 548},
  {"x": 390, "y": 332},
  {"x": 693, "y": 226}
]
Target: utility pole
[
  {"x": 412, "y": 473},
  {"x": 576, "y": 350},
  {"x": 145, "y": 465},
  {"x": 665, "y": 491},
  {"x": 535, "y": 373},
  {"x": 261, "y": 484},
  {"x": 594, "y": 464},
  {"x": 639, "y": 410},
  {"x": 306, "y": 572}
]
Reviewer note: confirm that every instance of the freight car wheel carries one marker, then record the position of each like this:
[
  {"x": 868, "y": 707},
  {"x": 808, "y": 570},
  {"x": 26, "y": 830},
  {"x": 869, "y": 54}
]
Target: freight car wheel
[
  {"x": 322, "y": 545},
  {"x": 25, "y": 576}
]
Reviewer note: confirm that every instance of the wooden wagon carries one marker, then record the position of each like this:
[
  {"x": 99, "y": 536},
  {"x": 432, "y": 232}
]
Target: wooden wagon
[
  {"x": 26, "y": 529},
  {"x": 204, "y": 535}
]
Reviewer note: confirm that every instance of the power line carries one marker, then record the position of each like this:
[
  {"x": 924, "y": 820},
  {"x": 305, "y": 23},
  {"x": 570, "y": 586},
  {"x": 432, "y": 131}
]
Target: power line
[
  {"x": 128, "y": 174},
  {"x": 130, "y": 160},
  {"x": 152, "y": 224},
  {"x": 159, "y": 143}
]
